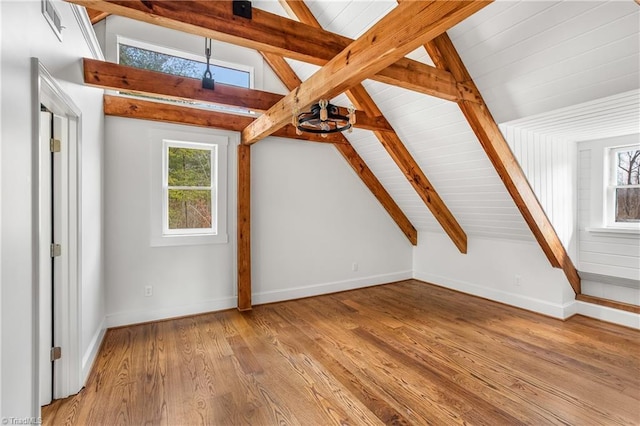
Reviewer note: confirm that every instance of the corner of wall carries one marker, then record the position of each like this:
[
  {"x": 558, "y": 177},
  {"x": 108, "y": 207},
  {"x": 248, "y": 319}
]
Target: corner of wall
[
  {"x": 507, "y": 271},
  {"x": 89, "y": 356}
]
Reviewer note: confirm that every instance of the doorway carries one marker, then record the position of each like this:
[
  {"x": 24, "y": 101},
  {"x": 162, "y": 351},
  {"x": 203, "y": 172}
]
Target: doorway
[{"x": 57, "y": 249}]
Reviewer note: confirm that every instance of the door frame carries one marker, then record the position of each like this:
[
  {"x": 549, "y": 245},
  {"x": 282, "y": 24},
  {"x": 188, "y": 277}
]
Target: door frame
[{"x": 67, "y": 313}]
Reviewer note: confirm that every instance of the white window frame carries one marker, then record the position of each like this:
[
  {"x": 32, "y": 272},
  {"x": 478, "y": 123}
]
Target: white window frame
[
  {"x": 182, "y": 54},
  {"x": 213, "y": 150},
  {"x": 611, "y": 166},
  {"x": 160, "y": 139}
]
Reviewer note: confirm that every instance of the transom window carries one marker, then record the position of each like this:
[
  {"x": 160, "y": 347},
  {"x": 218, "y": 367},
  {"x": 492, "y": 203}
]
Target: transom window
[
  {"x": 134, "y": 56},
  {"x": 624, "y": 186},
  {"x": 189, "y": 188},
  {"x": 169, "y": 61}
]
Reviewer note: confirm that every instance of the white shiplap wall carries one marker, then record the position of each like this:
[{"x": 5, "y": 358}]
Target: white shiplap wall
[{"x": 549, "y": 164}]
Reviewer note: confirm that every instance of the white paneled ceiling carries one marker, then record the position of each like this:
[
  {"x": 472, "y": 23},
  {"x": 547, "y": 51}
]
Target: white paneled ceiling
[
  {"x": 615, "y": 115},
  {"x": 527, "y": 58}
]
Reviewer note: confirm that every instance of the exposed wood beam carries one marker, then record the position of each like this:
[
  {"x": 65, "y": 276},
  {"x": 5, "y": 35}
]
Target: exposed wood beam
[
  {"x": 96, "y": 16},
  {"x": 268, "y": 32},
  {"x": 121, "y": 106},
  {"x": 609, "y": 303},
  {"x": 412, "y": 171},
  {"x": 359, "y": 166},
  {"x": 108, "y": 75},
  {"x": 244, "y": 227},
  {"x": 445, "y": 56},
  {"x": 391, "y": 142},
  {"x": 406, "y": 27},
  {"x": 289, "y": 78}
]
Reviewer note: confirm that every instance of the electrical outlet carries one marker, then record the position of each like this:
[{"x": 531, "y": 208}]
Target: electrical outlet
[
  {"x": 517, "y": 281},
  {"x": 354, "y": 266},
  {"x": 148, "y": 291}
]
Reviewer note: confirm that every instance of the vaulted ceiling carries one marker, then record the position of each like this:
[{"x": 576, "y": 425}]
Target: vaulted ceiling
[{"x": 526, "y": 58}]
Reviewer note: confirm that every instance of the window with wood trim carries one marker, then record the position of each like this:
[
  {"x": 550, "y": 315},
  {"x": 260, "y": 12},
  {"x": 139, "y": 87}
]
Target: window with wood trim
[{"x": 623, "y": 191}]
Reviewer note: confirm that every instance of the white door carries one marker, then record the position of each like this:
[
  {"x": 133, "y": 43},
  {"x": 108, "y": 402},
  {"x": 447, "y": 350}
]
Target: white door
[
  {"x": 46, "y": 267},
  {"x": 52, "y": 127}
]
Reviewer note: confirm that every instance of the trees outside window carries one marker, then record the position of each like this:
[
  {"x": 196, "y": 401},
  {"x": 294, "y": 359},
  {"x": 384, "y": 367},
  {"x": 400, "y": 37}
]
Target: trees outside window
[
  {"x": 189, "y": 188},
  {"x": 626, "y": 184},
  {"x": 146, "y": 56},
  {"x": 152, "y": 60}
]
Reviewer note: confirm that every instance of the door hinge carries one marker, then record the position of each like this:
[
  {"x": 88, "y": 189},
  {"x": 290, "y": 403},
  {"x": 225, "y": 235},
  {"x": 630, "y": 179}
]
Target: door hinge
[
  {"x": 56, "y": 353},
  {"x": 56, "y": 250},
  {"x": 54, "y": 145}
]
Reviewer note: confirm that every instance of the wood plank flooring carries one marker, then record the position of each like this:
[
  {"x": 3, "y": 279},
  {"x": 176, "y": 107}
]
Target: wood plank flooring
[{"x": 402, "y": 353}]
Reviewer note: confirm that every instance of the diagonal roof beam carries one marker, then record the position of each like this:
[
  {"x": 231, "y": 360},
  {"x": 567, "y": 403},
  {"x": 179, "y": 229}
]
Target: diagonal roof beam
[
  {"x": 108, "y": 75},
  {"x": 444, "y": 55},
  {"x": 392, "y": 143},
  {"x": 406, "y": 27},
  {"x": 289, "y": 78},
  {"x": 268, "y": 32}
]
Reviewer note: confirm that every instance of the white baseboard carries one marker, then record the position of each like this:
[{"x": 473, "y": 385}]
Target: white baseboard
[
  {"x": 326, "y": 288},
  {"x": 136, "y": 317},
  {"x": 140, "y": 316},
  {"x": 575, "y": 307},
  {"x": 92, "y": 351},
  {"x": 604, "y": 313},
  {"x": 529, "y": 303}
]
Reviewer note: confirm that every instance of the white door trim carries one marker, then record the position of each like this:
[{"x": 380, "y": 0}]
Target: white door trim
[{"x": 68, "y": 327}]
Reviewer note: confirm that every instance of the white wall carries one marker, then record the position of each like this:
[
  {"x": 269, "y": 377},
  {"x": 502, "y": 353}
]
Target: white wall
[
  {"x": 491, "y": 269},
  {"x": 311, "y": 220},
  {"x": 185, "y": 279},
  {"x": 609, "y": 260},
  {"x": 26, "y": 34}
]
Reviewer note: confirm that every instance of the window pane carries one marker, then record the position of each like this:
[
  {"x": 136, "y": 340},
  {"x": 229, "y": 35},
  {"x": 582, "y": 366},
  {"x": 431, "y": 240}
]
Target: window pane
[
  {"x": 627, "y": 204},
  {"x": 189, "y": 167},
  {"x": 155, "y": 61},
  {"x": 627, "y": 172},
  {"x": 189, "y": 208}
]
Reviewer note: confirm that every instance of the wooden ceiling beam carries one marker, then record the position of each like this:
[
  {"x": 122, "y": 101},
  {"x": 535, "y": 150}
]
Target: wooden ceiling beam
[
  {"x": 391, "y": 142},
  {"x": 412, "y": 171},
  {"x": 108, "y": 75},
  {"x": 96, "y": 16},
  {"x": 406, "y": 27},
  {"x": 289, "y": 78},
  {"x": 121, "y": 106},
  {"x": 444, "y": 55},
  {"x": 267, "y": 32}
]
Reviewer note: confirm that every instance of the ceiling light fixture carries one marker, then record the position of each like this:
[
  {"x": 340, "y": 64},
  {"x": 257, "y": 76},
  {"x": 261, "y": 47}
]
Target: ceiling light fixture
[{"x": 324, "y": 118}]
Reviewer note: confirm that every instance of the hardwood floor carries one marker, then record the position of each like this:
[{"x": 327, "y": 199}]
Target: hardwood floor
[{"x": 402, "y": 353}]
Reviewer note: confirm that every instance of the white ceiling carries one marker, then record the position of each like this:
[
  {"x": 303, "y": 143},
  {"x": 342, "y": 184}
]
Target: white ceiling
[{"x": 612, "y": 116}]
